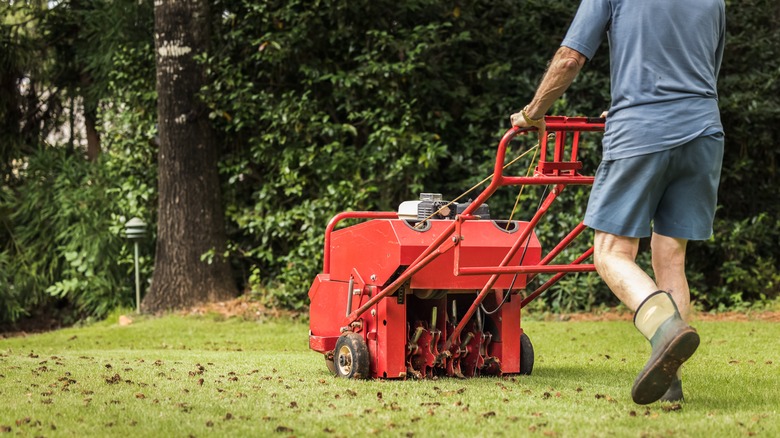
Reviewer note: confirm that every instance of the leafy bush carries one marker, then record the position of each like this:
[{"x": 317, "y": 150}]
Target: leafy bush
[
  {"x": 739, "y": 265},
  {"x": 62, "y": 239},
  {"x": 59, "y": 238},
  {"x": 335, "y": 105}
]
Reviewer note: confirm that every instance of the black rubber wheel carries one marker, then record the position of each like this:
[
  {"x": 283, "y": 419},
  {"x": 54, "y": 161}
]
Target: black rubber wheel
[
  {"x": 351, "y": 356},
  {"x": 329, "y": 363},
  {"x": 526, "y": 355}
]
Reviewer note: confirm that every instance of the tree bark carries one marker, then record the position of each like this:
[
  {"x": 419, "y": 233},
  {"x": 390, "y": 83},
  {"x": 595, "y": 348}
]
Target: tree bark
[
  {"x": 93, "y": 137},
  {"x": 190, "y": 218}
]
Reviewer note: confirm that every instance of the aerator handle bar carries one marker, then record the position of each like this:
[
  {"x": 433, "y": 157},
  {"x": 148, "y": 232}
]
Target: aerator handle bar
[{"x": 555, "y": 169}]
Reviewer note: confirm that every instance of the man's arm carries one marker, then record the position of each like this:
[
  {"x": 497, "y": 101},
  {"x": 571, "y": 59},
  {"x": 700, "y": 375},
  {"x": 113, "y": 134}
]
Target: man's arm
[{"x": 563, "y": 68}]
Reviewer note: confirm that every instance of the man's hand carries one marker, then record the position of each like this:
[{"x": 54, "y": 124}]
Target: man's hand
[{"x": 523, "y": 120}]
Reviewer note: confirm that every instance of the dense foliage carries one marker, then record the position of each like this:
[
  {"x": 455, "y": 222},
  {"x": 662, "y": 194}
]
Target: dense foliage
[
  {"x": 331, "y": 105},
  {"x": 62, "y": 247},
  {"x": 401, "y": 98}
]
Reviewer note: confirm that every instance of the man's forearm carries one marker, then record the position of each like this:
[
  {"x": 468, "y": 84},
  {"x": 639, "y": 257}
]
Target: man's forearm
[{"x": 563, "y": 68}]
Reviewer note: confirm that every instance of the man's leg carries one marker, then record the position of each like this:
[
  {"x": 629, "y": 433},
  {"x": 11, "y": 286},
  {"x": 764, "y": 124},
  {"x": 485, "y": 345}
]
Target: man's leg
[
  {"x": 673, "y": 341},
  {"x": 614, "y": 257},
  {"x": 669, "y": 268}
]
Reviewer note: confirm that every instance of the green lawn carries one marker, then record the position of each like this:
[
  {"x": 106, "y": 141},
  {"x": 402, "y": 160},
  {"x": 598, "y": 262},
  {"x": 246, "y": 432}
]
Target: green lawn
[{"x": 201, "y": 376}]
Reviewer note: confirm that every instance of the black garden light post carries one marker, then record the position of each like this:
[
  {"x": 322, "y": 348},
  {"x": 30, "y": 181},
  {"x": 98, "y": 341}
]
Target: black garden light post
[{"x": 135, "y": 230}]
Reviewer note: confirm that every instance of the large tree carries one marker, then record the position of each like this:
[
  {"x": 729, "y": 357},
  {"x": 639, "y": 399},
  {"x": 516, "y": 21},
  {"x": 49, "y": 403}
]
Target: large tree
[{"x": 191, "y": 220}]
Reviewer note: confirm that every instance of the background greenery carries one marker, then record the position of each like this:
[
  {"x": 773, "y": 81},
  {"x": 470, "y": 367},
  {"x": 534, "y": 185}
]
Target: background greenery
[{"x": 324, "y": 106}]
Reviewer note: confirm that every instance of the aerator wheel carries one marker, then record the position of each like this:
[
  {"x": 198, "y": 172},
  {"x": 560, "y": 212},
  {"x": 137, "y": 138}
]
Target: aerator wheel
[
  {"x": 526, "y": 355},
  {"x": 330, "y": 363},
  {"x": 351, "y": 356}
]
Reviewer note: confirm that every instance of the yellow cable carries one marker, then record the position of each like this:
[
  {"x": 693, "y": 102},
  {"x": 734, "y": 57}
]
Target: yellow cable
[{"x": 520, "y": 193}]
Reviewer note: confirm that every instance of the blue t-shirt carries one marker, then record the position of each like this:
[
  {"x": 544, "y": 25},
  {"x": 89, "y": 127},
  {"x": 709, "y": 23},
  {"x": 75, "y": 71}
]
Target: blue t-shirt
[{"x": 665, "y": 56}]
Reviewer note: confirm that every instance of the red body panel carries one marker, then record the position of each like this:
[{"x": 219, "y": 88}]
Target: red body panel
[
  {"x": 371, "y": 253},
  {"x": 377, "y": 248}
]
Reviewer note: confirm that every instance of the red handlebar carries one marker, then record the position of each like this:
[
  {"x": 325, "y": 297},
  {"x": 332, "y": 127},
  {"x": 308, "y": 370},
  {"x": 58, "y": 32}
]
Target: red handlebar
[{"x": 555, "y": 124}]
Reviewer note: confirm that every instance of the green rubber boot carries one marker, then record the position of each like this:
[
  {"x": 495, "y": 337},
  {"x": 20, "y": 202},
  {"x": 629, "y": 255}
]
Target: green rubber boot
[
  {"x": 675, "y": 393},
  {"x": 673, "y": 342}
]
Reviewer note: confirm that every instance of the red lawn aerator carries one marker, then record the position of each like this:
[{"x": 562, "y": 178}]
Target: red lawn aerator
[{"x": 433, "y": 289}]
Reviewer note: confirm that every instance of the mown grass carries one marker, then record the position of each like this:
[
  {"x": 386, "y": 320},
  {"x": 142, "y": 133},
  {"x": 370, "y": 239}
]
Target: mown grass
[{"x": 202, "y": 376}]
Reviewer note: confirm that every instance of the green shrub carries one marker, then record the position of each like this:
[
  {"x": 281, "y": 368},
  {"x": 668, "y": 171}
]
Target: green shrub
[
  {"x": 738, "y": 265},
  {"x": 59, "y": 239},
  {"x": 355, "y": 105},
  {"x": 62, "y": 236}
]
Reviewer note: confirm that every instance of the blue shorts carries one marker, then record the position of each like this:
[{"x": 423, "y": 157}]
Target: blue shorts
[{"x": 676, "y": 190}]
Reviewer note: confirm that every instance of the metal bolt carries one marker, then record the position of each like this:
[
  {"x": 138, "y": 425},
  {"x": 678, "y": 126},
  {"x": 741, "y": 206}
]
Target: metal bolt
[
  {"x": 373, "y": 277},
  {"x": 373, "y": 312}
]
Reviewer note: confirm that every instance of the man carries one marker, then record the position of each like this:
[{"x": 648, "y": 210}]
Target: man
[{"x": 662, "y": 154}]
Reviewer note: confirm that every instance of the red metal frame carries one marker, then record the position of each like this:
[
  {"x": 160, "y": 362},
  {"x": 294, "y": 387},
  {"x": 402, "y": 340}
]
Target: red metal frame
[
  {"x": 560, "y": 171},
  {"x": 349, "y": 215}
]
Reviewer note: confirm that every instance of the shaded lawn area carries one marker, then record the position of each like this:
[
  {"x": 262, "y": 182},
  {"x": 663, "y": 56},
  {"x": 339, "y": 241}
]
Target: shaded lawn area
[{"x": 200, "y": 376}]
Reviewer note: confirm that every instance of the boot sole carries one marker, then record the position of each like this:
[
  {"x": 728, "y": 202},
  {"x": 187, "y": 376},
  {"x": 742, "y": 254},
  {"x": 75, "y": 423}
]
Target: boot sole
[{"x": 657, "y": 375}]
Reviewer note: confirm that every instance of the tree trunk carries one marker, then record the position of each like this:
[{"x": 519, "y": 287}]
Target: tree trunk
[
  {"x": 93, "y": 137},
  {"x": 190, "y": 217}
]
